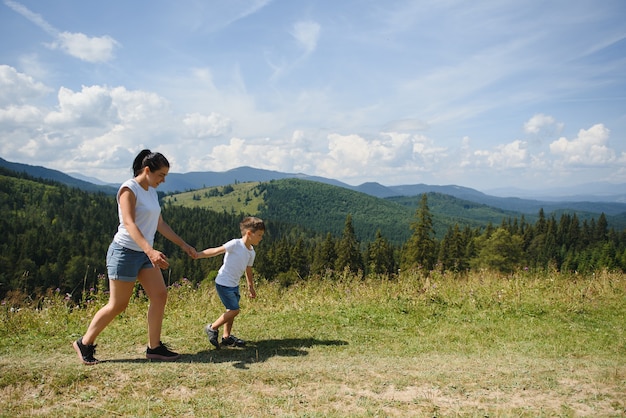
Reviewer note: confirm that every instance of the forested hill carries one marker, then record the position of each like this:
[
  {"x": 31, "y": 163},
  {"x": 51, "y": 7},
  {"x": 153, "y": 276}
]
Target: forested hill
[
  {"x": 177, "y": 182},
  {"x": 55, "y": 237},
  {"x": 323, "y": 208}
]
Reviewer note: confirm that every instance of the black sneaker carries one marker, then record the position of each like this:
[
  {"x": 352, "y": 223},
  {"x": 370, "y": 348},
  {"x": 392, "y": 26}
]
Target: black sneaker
[
  {"x": 212, "y": 334},
  {"x": 161, "y": 353},
  {"x": 85, "y": 352},
  {"x": 232, "y": 341}
]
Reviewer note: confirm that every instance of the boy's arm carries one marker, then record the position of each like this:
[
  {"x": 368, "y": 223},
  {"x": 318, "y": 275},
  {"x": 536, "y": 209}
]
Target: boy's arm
[
  {"x": 211, "y": 252},
  {"x": 249, "y": 279}
]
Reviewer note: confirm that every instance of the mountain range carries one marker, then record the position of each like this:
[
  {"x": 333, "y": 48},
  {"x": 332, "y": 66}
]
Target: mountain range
[{"x": 603, "y": 202}]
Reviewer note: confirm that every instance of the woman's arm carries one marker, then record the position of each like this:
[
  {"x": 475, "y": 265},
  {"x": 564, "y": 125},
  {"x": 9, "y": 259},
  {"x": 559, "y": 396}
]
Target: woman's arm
[{"x": 169, "y": 233}]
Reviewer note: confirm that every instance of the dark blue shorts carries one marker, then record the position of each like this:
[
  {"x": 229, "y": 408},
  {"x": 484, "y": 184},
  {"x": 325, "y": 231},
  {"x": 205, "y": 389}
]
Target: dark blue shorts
[{"x": 229, "y": 296}]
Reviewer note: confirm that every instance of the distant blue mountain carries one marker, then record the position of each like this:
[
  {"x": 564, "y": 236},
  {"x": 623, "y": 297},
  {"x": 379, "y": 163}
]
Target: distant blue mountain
[
  {"x": 177, "y": 182},
  {"x": 58, "y": 176}
]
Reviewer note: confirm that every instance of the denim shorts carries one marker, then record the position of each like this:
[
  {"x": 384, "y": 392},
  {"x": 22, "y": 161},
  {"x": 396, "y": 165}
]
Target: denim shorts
[
  {"x": 229, "y": 296},
  {"x": 124, "y": 264}
]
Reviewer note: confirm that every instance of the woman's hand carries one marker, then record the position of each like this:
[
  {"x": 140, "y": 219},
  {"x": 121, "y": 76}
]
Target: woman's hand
[{"x": 158, "y": 259}]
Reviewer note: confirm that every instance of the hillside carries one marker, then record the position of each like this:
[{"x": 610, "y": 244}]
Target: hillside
[{"x": 324, "y": 208}]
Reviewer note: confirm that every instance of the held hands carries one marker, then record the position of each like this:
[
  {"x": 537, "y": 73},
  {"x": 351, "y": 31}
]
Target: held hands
[
  {"x": 191, "y": 252},
  {"x": 159, "y": 259}
]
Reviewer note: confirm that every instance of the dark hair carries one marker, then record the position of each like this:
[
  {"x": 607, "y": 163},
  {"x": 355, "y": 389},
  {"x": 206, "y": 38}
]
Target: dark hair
[
  {"x": 252, "y": 224},
  {"x": 152, "y": 160}
]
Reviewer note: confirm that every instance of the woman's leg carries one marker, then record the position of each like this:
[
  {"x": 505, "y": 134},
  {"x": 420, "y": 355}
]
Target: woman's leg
[
  {"x": 151, "y": 280},
  {"x": 119, "y": 296}
]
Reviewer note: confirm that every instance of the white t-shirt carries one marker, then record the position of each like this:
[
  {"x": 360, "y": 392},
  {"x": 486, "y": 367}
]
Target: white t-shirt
[
  {"x": 236, "y": 259},
  {"x": 147, "y": 212}
]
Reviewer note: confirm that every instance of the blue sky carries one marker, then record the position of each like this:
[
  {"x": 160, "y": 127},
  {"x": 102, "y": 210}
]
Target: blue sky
[{"x": 485, "y": 94}]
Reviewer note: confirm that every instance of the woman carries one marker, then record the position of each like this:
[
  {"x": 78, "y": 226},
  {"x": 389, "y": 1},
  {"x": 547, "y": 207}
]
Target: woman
[{"x": 131, "y": 257}]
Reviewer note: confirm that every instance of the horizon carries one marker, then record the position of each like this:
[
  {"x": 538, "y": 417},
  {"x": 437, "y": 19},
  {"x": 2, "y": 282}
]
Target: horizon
[
  {"x": 582, "y": 189},
  {"x": 484, "y": 95}
]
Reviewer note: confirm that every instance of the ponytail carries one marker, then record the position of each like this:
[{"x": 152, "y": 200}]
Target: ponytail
[{"x": 152, "y": 160}]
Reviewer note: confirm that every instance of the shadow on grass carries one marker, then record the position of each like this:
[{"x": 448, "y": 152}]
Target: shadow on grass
[
  {"x": 253, "y": 352},
  {"x": 259, "y": 351}
]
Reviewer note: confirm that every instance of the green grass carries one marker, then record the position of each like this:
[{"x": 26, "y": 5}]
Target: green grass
[
  {"x": 240, "y": 200},
  {"x": 478, "y": 345}
]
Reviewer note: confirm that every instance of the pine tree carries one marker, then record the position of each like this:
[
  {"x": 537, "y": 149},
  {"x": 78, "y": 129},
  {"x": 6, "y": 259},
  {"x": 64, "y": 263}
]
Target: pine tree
[
  {"x": 299, "y": 261},
  {"x": 325, "y": 255},
  {"x": 452, "y": 250},
  {"x": 380, "y": 256},
  {"x": 420, "y": 250},
  {"x": 348, "y": 252}
]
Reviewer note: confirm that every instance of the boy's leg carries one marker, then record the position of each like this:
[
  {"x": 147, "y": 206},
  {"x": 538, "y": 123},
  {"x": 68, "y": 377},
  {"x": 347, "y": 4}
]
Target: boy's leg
[
  {"x": 211, "y": 329},
  {"x": 226, "y": 319},
  {"x": 230, "y": 298},
  {"x": 229, "y": 319}
]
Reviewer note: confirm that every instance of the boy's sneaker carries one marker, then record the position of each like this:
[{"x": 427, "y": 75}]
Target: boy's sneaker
[
  {"x": 232, "y": 341},
  {"x": 161, "y": 353},
  {"x": 212, "y": 334},
  {"x": 85, "y": 352}
]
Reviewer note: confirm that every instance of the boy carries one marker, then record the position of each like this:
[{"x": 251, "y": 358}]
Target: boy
[{"x": 238, "y": 259}]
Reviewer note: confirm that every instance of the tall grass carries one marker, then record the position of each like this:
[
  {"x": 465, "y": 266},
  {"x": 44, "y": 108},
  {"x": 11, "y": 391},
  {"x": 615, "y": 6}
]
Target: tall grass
[{"x": 445, "y": 345}]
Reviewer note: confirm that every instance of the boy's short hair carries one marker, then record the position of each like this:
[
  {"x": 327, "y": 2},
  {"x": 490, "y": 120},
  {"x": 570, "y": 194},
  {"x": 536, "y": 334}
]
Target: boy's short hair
[{"x": 251, "y": 223}]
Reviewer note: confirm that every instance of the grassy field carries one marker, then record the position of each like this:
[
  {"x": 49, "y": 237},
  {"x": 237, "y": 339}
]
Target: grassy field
[
  {"x": 240, "y": 200},
  {"x": 448, "y": 346}
]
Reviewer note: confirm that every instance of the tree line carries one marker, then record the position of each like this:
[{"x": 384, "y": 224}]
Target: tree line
[
  {"x": 564, "y": 244},
  {"x": 55, "y": 237}
]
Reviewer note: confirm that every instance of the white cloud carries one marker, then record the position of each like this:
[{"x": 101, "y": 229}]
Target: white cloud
[
  {"x": 36, "y": 18},
  {"x": 511, "y": 155},
  {"x": 357, "y": 157},
  {"x": 92, "y": 106},
  {"x": 78, "y": 45},
  {"x": 18, "y": 88},
  {"x": 537, "y": 122},
  {"x": 14, "y": 117},
  {"x": 93, "y": 129},
  {"x": 85, "y": 48},
  {"x": 138, "y": 105},
  {"x": 588, "y": 148}
]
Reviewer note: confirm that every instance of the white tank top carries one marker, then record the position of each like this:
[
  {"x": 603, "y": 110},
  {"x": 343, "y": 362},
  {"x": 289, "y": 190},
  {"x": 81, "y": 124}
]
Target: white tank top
[{"x": 147, "y": 212}]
